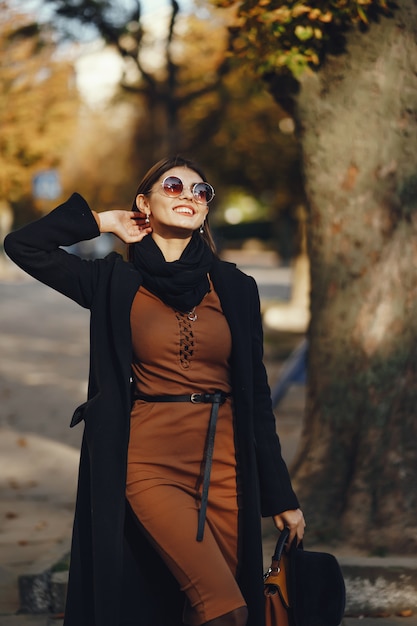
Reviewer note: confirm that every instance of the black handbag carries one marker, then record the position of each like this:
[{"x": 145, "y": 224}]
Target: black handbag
[{"x": 316, "y": 589}]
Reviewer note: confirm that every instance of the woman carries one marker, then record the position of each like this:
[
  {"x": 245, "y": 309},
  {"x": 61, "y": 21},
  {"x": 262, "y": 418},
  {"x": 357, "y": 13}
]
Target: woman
[{"x": 179, "y": 457}]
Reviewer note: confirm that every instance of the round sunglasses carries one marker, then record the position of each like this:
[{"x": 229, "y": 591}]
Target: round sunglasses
[{"x": 172, "y": 186}]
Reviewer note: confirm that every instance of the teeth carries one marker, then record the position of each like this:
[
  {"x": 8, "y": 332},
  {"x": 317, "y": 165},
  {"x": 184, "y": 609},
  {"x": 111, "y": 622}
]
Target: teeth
[{"x": 184, "y": 210}]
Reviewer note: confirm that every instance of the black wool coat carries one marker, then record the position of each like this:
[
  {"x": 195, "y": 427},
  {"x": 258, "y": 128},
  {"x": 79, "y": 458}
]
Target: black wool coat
[{"x": 116, "y": 578}]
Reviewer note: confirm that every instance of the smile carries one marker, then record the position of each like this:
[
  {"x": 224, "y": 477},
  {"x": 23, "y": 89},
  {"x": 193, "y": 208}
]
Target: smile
[{"x": 184, "y": 210}]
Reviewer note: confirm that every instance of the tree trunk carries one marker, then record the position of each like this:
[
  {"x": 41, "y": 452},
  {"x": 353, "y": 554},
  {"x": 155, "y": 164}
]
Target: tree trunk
[{"x": 356, "y": 469}]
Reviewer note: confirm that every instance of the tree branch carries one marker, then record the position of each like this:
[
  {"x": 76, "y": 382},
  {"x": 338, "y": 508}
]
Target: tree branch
[{"x": 172, "y": 68}]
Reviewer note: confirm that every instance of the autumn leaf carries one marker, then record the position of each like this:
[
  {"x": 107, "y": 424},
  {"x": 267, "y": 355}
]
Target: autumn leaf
[
  {"x": 282, "y": 15},
  {"x": 362, "y": 15},
  {"x": 314, "y": 14},
  {"x": 300, "y": 9},
  {"x": 326, "y": 17},
  {"x": 303, "y": 32}
]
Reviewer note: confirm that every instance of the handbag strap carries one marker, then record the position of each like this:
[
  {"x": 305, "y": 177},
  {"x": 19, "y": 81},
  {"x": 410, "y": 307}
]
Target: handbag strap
[
  {"x": 280, "y": 545},
  {"x": 276, "y": 578}
]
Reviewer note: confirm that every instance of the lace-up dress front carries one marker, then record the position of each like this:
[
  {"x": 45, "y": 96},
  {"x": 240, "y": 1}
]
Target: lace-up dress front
[{"x": 174, "y": 354}]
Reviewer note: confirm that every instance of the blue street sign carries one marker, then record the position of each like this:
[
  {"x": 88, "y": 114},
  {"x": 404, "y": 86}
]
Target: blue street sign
[{"x": 46, "y": 185}]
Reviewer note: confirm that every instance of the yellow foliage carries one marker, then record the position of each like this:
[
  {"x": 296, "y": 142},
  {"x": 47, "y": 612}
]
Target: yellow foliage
[
  {"x": 326, "y": 17},
  {"x": 281, "y": 15},
  {"x": 300, "y": 9},
  {"x": 274, "y": 29},
  {"x": 37, "y": 102}
]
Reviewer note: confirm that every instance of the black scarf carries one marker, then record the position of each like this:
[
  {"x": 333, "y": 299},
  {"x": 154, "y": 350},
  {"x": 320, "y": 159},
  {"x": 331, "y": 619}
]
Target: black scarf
[{"x": 180, "y": 284}]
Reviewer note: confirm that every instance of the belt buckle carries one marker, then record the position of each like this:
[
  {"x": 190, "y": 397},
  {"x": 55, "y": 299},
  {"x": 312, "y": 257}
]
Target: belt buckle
[{"x": 195, "y": 398}]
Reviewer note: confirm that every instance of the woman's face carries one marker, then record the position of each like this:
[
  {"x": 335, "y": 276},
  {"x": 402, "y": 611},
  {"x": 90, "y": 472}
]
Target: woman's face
[{"x": 174, "y": 215}]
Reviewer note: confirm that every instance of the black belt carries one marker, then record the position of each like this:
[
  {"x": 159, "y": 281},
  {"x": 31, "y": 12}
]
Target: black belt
[
  {"x": 215, "y": 399},
  {"x": 195, "y": 398}
]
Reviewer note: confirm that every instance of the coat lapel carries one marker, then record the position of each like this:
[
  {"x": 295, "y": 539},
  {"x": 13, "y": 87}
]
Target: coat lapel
[
  {"x": 225, "y": 291},
  {"x": 228, "y": 287}
]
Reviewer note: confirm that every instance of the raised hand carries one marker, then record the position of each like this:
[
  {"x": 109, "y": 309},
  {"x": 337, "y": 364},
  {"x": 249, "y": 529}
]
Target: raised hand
[{"x": 129, "y": 226}]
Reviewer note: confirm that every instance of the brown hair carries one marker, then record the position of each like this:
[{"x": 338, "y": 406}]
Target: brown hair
[{"x": 154, "y": 174}]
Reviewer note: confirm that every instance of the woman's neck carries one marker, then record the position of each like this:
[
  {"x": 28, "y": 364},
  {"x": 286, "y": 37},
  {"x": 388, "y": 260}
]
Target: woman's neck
[{"x": 172, "y": 249}]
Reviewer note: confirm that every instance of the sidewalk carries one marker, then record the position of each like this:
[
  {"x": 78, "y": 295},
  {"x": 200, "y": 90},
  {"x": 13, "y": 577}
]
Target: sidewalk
[{"x": 37, "y": 494}]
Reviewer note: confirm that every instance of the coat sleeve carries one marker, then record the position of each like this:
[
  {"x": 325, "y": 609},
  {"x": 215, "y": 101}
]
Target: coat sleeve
[
  {"x": 276, "y": 491},
  {"x": 36, "y": 249}
]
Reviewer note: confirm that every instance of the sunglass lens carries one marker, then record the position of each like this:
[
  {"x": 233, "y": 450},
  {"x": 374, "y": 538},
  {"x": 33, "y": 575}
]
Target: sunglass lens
[
  {"x": 172, "y": 186},
  {"x": 203, "y": 193}
]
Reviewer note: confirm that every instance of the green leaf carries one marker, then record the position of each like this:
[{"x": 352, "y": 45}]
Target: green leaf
[
  {"x": 362, "y": 15},
  {"x": 303, "y": 33}
]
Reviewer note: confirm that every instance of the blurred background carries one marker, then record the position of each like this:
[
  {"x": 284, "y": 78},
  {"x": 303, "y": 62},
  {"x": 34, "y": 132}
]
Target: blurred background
[{"x": 304, "y": 116}]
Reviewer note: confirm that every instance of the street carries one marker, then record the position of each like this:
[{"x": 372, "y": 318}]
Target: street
[{"x": 44, "y": 360}]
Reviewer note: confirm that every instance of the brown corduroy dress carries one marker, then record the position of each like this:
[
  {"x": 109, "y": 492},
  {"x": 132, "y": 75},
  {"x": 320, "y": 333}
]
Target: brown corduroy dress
[{"x": 173, "y": 355}]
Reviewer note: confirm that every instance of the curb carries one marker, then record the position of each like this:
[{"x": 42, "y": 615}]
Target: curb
[
  {"x": 380, "y": 585},
  {"x": 375, "y": 587},
  {"x": 43, "y": 588}
]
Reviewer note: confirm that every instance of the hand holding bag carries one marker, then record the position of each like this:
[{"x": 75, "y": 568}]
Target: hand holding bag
[{"x": 316, "y": 589}]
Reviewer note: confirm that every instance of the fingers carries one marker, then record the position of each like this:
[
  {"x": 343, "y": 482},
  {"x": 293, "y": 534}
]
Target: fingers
[
  {"x": 137, "y": 235},
  {"x": 300, "y": 524},
  {"x": 138, "y": 217},
  {"x": 135, "y": 227},
  {"x": 292, "y": 535},
  {"x": 294, "y": 521}
]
